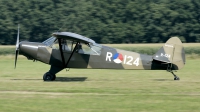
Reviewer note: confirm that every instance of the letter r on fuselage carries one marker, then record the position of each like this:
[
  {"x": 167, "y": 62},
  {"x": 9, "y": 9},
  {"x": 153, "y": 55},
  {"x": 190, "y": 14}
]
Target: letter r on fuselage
[{"x": 108, "y": 56}]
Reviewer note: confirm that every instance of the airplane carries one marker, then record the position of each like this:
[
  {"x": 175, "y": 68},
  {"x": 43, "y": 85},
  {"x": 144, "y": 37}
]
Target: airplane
[{"x": 71, "y": 50}]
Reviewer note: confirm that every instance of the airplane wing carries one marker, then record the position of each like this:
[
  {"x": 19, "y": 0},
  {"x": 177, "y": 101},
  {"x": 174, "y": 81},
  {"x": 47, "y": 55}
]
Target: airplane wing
[{"x": 73, "y": 36}]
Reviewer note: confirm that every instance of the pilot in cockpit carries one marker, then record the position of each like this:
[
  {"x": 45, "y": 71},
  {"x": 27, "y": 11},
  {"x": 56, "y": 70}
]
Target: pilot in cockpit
[
  {"x": 80, "y": 49},
  {"x": 65, "y": 46}
]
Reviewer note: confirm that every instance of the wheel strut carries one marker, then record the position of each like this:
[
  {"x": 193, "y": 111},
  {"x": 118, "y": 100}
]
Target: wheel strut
[{"x": 169, "y": 69}]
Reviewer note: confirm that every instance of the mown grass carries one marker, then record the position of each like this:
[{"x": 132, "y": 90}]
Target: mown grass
[{"x": 89, "y": 90}]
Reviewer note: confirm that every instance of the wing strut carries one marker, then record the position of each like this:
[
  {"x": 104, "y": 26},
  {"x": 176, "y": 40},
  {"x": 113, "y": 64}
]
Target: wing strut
[
  {"x": 71, "y": 54},
  {"x": 61, "y": 52}
]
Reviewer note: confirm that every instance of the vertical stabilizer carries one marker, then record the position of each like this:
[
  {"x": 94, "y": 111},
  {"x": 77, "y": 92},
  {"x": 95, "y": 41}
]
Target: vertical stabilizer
[{"x": 172, "y": 52}]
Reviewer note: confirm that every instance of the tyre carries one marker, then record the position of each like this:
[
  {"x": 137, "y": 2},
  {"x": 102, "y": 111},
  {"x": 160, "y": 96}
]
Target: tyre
[{"x": 48, "y": 77}]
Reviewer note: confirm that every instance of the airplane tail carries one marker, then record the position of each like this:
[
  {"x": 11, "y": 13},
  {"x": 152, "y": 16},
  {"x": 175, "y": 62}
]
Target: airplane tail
[{"x": 171, "y": 53}]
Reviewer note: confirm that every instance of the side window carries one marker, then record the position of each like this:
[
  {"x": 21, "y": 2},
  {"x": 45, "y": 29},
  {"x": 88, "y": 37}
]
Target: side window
[
  {"x": 82, "y": 48},
  {"x": 67, "y": 45},
  {"x": 96, "y": 49},
  {"x": 88, "y": 49}
]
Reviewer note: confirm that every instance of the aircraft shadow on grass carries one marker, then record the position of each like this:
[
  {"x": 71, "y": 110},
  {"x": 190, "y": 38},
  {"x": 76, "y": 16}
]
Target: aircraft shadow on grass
[
  {"x": 62, "y": 79},
  {"x": 80, "y": 79},
  {"x": 162, "y": 80},
  {"x": 70, "y": 79}
]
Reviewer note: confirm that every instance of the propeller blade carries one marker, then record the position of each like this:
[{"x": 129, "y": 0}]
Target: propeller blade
[
  {"x": 16, "y": 55},
  {"x": 17, "y": 42},
  {"x": 17, "y": 47}
]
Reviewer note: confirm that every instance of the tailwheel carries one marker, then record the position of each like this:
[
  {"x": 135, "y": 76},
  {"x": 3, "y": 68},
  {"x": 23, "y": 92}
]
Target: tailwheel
[
  {"x": 175, "y": 77},
  {"x": 49, "y": 77}
]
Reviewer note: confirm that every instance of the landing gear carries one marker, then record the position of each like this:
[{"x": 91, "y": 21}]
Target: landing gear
[
  {"x": 54, "y": 77},
  {"x": 169, "y": 69},
  {"x": 175, "y": 77},
  {"x": 49, "y": 76}
]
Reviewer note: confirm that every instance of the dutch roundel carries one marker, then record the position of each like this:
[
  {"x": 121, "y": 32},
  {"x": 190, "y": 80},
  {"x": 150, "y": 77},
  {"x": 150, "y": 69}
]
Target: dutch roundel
[{"x": 118, "y": 58}]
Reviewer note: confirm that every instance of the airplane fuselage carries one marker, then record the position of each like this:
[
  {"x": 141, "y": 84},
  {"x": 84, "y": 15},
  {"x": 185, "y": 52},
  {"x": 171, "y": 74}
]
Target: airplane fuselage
[{"x": 109, "y": 58}]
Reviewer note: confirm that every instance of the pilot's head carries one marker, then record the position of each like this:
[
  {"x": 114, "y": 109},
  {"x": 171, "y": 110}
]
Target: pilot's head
[{"x": 79, "y": 46}]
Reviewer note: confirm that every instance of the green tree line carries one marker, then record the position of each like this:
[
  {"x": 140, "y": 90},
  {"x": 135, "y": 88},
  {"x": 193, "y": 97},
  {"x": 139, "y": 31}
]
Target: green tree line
[{"x": 105, "y": 21}]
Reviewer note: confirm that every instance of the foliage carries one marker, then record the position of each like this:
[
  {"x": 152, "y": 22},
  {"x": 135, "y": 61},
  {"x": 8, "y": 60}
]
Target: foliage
[{"x": 105, "y": 21}]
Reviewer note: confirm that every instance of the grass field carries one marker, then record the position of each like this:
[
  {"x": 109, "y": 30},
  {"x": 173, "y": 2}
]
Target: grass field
[{"x": 88, "y": 90}]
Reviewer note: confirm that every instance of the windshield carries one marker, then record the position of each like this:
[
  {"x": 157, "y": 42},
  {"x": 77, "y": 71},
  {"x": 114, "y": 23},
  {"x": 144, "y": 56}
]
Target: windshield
[{"x": 49, "y": 42}]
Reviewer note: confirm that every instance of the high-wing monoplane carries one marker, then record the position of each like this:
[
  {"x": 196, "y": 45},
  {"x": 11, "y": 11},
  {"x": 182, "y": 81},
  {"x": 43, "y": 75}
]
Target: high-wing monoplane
[{"x": 71, "y": 50}]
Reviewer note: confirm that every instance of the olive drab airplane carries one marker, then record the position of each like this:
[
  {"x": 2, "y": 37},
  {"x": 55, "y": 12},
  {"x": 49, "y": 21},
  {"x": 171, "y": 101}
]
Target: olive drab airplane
[{"x": 70, "y": 50}]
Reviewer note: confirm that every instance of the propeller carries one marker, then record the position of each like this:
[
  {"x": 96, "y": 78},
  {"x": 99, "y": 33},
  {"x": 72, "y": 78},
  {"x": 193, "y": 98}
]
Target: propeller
[{"x": 17, "y": 47}]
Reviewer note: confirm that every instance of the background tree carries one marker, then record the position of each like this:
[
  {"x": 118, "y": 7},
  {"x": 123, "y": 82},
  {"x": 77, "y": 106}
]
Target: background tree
[{"x": 105, "y": 21}]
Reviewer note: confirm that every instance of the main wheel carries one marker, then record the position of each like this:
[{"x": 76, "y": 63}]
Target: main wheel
[
  {"x": 54, "y": 77},
  {"x": 49, "y": 77}
]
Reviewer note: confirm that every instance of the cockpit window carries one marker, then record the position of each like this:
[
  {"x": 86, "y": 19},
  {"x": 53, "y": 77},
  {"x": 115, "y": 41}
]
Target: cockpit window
[
  {"x": 67, "y": 45},
  {"x": 82, "y": 48},
  {"x": 96, "y": 49}
]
